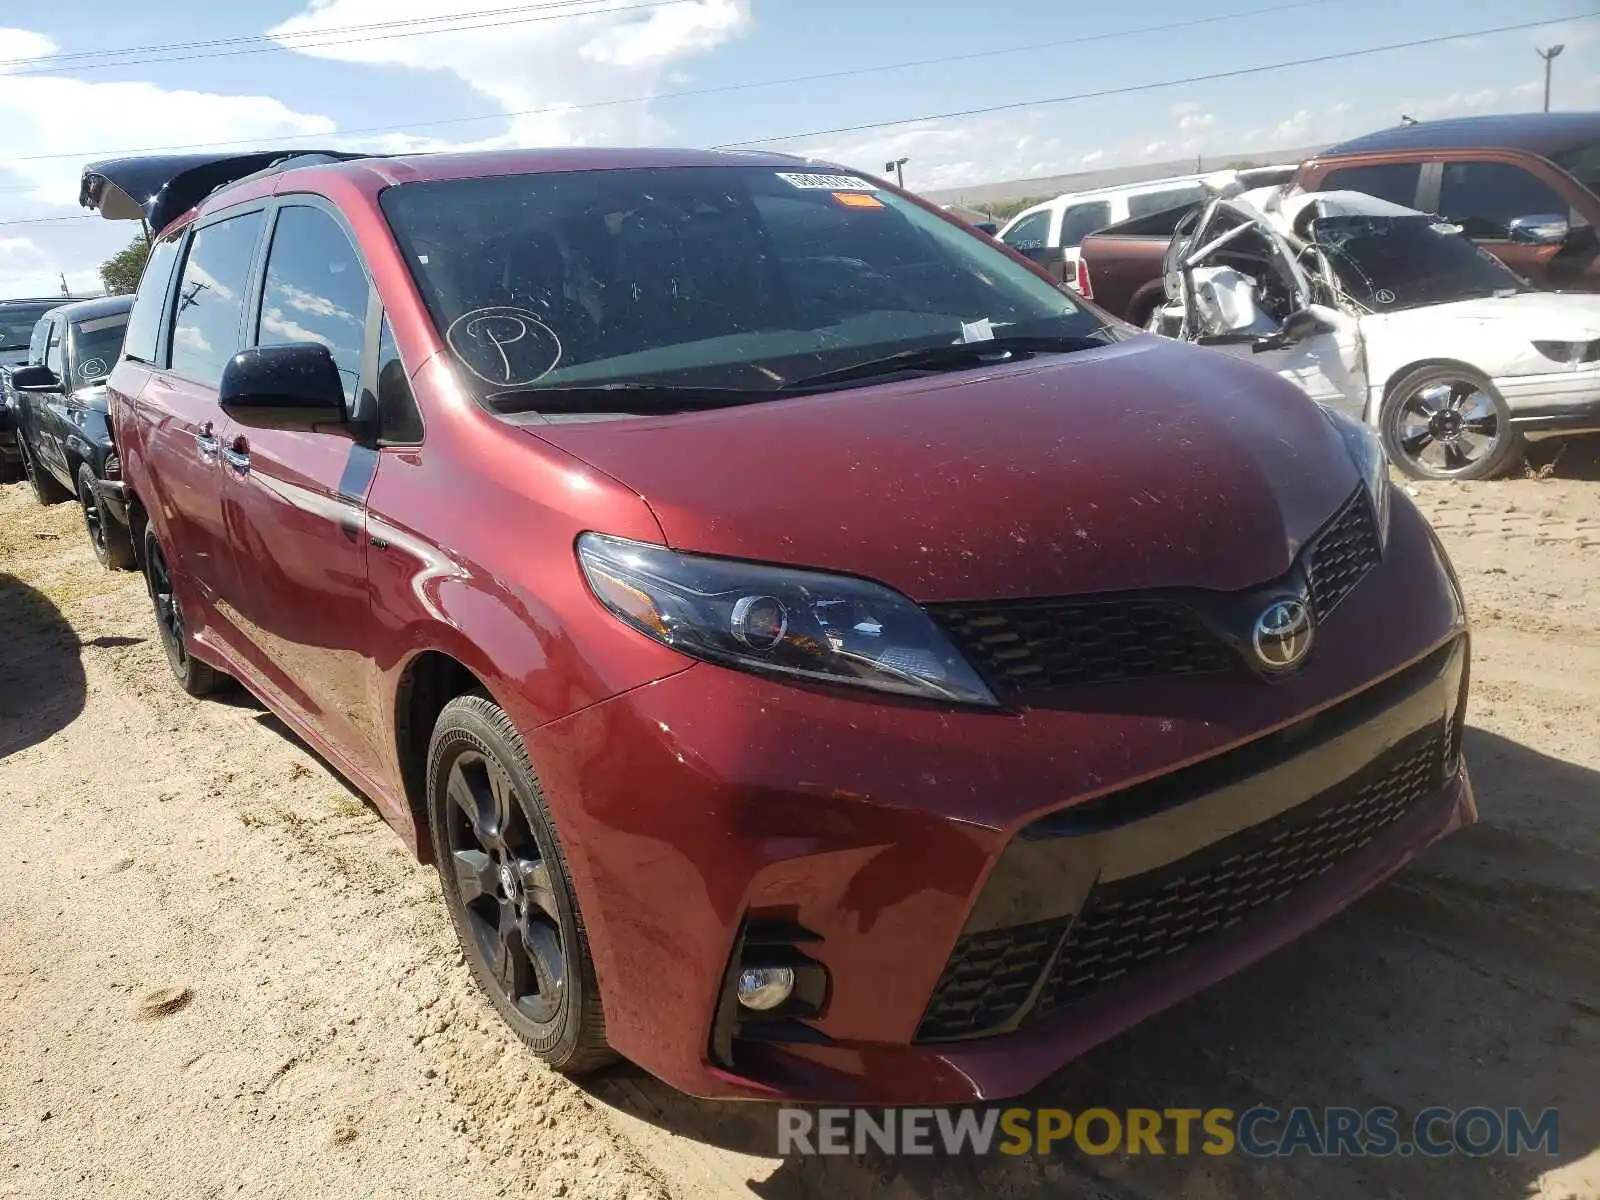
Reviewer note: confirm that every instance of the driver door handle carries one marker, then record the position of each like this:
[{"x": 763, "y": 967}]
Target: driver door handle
[
  {"x": 237, "y": 455},
  {"x": 205, "y": 442}
]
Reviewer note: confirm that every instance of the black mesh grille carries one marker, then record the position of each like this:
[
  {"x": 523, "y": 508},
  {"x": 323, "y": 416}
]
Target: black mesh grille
[
  {"x": 1133, "y": 922},
  {"x": 1025, "y": 647},
  {"x": 1039, "y": 645},
  {"x": 988, "y": 978},
  {"x": 1337, "y": 558},
  {"x": 1138, "y": 921}
]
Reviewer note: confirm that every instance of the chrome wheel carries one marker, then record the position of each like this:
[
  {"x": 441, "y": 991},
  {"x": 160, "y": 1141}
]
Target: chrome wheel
[{"x": 1448, "y": 423}]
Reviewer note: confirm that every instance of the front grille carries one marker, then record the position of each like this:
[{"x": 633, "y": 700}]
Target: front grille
[
  {"x": 1136, "y": 922},
  {"x": 1337, "y": 558},
  {"x": 1040, "y": 645},
  {"x": 1130, "y": 923},
  {"x": 1026, "y": 648},
  {"x": 988, "y": 978}
]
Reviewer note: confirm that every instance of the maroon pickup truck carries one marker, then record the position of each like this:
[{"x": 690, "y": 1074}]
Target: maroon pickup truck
[{"x": 1523, "y": 186}]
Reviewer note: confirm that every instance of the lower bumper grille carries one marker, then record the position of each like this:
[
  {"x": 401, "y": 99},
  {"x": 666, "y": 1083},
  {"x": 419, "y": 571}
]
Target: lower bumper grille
[{"x": 997, "y": 980}]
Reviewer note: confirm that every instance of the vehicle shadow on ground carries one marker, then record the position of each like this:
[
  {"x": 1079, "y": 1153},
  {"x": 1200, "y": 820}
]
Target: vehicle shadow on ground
[
  {"x": 1466, "y": 980},
  {"x": 237, "y": 696},
  {"x": 42, "y": 688}
]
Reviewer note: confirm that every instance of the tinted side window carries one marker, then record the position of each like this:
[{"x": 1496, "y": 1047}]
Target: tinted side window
[
  {"x": 1154, "y": 202},
  {"x": 144, "y": 325},
  {"x": 1394, "y": 182},
  {"x": 1081, "y": 220},
  {"x": 205, "y": 329},
  {"x": 316, "y": 291},
  {"x": 1485, "y": 197},
  {"x": 1029, "y": 233},
  {"x": 40, "y": 340},
  {"x": 52, "y": 354},
  {"x": 399, "y": 422}
]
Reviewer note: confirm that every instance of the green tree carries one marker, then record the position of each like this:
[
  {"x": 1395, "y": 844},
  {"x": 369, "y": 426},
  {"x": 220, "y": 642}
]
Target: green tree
[{"x": 120, "y": 273}]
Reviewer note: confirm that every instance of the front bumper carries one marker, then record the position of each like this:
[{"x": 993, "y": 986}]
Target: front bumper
[
  {"x": 1549, "y": 404},
  {"x": 940, "y": 865}
]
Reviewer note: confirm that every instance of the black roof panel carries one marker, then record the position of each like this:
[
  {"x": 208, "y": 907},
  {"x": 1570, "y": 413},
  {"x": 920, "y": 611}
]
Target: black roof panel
[{"x": 1540, "y": 133}]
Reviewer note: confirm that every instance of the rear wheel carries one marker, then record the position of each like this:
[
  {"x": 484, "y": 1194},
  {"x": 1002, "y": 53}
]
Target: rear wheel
[
  {"x": 193, "y": 676},
  {"x": 1449, "y": 422},
  {"x": 108, "y": 538},
  {"x": 507, "y": 889},
  {"x": 45, "y": 488}
]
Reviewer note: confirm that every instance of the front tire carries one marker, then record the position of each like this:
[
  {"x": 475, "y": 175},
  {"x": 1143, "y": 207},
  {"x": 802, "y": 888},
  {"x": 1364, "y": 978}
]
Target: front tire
[
  {"x": 507, "y": 888},
  {"x": 45, "y": 488},
  {"x": 1446, "y": 422},
  {"x": 193, "y": 676},
  {"x": 109, "y": 540}
]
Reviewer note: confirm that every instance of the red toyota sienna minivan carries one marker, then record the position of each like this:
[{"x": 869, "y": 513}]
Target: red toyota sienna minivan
[{"x": 824, "y": 658}]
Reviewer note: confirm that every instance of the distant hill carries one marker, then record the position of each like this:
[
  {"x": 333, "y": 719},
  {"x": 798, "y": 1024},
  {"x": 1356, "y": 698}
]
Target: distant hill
[{"x": 978, "y": 195}]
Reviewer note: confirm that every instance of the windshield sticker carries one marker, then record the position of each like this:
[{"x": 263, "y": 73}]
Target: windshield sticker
[
  {"x": 94, "y": 368},
  {"x": 825, "y": 183},
  {"x": 506, "y": 347},
  {"x": 857, "y": 200},
  {"x": 1383, "y": 296},
  {"x": 96, "y": 324}
]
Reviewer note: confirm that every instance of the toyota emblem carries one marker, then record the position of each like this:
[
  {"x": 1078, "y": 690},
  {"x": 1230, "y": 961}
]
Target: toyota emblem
[{"x": 1282, "y": 635}]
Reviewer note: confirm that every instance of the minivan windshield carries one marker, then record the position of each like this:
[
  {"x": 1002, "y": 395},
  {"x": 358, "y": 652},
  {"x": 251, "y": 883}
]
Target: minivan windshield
[
  {"x": 744, "y": 279},
  {"x": 1389, "y": 263}
]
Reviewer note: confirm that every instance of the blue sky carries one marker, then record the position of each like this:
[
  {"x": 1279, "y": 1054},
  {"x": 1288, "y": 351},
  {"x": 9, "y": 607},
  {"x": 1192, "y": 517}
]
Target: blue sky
[{"x": 564, "y": 63}]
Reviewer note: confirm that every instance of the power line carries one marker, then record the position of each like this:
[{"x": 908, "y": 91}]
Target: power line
[
  {"x": 707, "y": 91},
  {"x": 984, "y": 110},
  {"x": 1128, "y": 89},
  {"x": 55, "y": 60},
  {"x": 378, "y": 37}
]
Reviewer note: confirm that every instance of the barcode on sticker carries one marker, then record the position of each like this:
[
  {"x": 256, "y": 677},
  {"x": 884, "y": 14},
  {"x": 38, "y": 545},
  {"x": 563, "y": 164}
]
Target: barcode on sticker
[{"x": 826, "y": 183}]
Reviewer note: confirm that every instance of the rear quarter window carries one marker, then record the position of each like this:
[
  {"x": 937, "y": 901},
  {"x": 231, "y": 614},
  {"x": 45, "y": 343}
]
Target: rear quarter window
[
  {"x": 1394, "y": 182},
  {"x": 144, "y": 323}
]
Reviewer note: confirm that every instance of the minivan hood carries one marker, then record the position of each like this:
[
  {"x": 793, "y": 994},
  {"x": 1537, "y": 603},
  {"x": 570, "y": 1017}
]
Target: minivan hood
[{"x": 1147, "y": 464}]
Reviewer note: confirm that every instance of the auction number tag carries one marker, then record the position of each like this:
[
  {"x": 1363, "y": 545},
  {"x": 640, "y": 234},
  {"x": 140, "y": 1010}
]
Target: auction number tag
[{"x": 825, "y": 183}]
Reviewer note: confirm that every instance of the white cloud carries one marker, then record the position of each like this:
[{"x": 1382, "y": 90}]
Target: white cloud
[
  {"x": 1094, "y": 156},
  {"x": 1293, "y": 130},
  {"x": 18, "y": 247},
  {"x": 554, "y": 66}
]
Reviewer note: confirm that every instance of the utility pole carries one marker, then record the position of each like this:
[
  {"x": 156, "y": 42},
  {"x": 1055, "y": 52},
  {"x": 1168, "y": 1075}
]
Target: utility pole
[
  {"x": 1549, "y": 56},
  {"x": 898, "y": 166},
  {"x": 65, "y": 291}
]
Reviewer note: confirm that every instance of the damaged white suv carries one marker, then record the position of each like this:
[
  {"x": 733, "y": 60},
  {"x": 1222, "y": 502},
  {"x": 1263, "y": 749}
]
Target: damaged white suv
[{"x": 1392, "y": 316}]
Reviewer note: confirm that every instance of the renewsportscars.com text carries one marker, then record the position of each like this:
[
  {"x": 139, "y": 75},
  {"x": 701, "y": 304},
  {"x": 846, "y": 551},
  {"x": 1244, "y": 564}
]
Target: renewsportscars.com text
[{"x": 1259, "y": 1132}]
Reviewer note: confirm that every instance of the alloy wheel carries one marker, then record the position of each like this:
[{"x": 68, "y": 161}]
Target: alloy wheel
[
  {"x": 93, "y": 520},
  {"x": 169, "y": 613},
  {"x": 505, "y": 887},
  {"x": 1448, "y": 426}
]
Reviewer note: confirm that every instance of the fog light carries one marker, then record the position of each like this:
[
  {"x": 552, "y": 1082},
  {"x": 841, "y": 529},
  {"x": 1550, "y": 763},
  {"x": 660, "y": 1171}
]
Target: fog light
[{"x": 764, "y": 988}]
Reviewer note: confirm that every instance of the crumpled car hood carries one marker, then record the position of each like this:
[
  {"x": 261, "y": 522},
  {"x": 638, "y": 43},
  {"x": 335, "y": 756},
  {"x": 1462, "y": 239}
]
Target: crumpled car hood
[{"x": 1149, "y": 464}]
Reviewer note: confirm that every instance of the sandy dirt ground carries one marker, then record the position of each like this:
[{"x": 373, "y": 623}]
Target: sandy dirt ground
[{"x": 221, "y": 975}]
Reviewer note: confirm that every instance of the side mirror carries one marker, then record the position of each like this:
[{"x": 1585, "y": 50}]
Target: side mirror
[
  {"x": 1297, "y": 327},
  {"x": 294, "y": 387},
  {"x": 988, "y": 228},
  {"x": 35, "y": 379},
  {"x": 1545, "y": 229}
]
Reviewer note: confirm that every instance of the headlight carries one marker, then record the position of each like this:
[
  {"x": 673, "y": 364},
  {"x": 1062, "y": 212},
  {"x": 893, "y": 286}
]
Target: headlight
[
  {"x": 779, "y": 621},
  {"x": 1366, "y": 451}
]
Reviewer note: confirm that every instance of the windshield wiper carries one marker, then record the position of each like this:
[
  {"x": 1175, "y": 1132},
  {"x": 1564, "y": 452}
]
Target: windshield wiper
[
  {"x": 620, "y": 397},
  {"x": 954, "y": 357}
]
